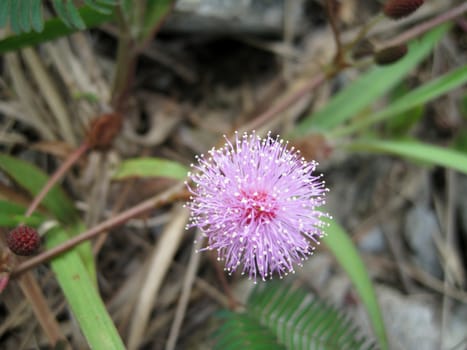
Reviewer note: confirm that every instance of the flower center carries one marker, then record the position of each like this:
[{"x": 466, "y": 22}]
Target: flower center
[{"x": 257, "y": 207}]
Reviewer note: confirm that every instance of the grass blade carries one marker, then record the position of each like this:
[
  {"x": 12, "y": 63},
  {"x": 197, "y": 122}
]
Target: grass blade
[
  {"x": 428, "y": 154},
  {"x": 12, "y": 214},
  {"x": 340, "y": 244},
  {"x": 32, "y": 179},
  {"x": 150, "y": 167},
  {"x": 82, "y": 296},
  {"x": 374, "y": 84},
  {"x": 56, "y": 201},
  {"x": 417, "y": 97}
]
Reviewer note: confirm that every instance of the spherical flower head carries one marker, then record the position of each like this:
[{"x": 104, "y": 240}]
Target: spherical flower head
[
  {"x": 23, "y": 240},
  {"x": 257, "y": 203}
]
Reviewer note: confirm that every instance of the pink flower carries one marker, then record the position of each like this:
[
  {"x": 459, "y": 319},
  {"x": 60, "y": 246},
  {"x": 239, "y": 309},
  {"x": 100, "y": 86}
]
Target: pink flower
[{"x": 257, "y": 203}]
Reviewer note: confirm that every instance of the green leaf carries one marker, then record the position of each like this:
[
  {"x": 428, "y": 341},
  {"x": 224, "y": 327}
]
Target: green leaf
[
  {"x": 12, "y": 214},
  {"x": 368, "y": 87},
  {"x": 429, "y": 154},
  {"x": 36, "y": 16},
  {"x": 108, "y": 2},
  {"x": 155, "y": 12},
  {"x": 340, "y": 244},
  {"x": 56, "y": 201},
  {"x": 21, "y": 13},
  {"x": 11, "y": 208},
  {"x": 25, "y": 14},
  {"x": 419, "y": 96},
  {"x": 15, "y": 16},
  {"x": 82, "y": 296},
  {"x": 53, "y": 29},
  {"x": 12, "y": 221},
  {"x": 241, "y": 331},
  {"x": 150, "y": 167},
  {"x": 84, "y": 250},
  {"x": 74, "y": 16},
  {"x": 4, "y": 12},
  {"x": 101, "y": 6},
  {"x": 463, "y": 105},
  {"x": 280, "y": 316},
  {"x": 460, "y": 141},
  {"x": 32, "y": 179},
  {"x": 402, "y": 122},
  {"x": 61, "y": 10}
]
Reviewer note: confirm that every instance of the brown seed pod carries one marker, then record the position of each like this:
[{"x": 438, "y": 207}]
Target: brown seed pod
[
  {"x": 390, "y": 54},
  {"x": 23, "y": 240},
  {"x": 397, "y": 9}
]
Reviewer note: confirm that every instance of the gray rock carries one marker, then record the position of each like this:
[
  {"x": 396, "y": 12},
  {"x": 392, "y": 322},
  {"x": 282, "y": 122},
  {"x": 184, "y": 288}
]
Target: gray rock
[
  {"x": 421, "y": 226},
  {"x": 317, "y": 270},
  {"x": 227, "y": 16},
  {"x": 456, "y": 329},
  {"x": 373, "y": 241},
  {"x": 410, "y": 321}
]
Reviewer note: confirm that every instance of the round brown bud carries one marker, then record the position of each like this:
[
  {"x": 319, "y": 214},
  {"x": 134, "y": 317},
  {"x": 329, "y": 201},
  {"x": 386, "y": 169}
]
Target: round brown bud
[
  {"x": 397, "y": 9},
  {"x": 23, "y": 240},
  {"x": 390, "y": 54},
  {"x": 103, "y": 130}
]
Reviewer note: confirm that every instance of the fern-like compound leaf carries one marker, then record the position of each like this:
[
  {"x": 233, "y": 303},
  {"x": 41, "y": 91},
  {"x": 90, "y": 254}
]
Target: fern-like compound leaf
[
  {"x": 102, "y": 6},
  {"x": 74, "y": 16},
  {"x": 15, "y": 9},
  {"x": 242, "y": 331},
  {"x": 26, "y": 15},
  {"x": 283, "y": 317},
  {"x": 36, "y": 16},
  {"x": 4, "y": 12}
]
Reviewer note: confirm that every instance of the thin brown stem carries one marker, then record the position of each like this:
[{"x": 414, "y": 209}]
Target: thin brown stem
[
  {"x": 233, "y": 303},
  {"x": 286, "y": 102},
  {"x": 426, "y": 26},
  {"x": 363, "y": 32},
  {"x": 144, "y": 42},
  {"x": 33, "y": 293},
  {"x": 331, "y": 10},
  {"x": 129, "y": 49},
  {"x": 168, "y": 196},
  {"x": 72, "y": 159}
]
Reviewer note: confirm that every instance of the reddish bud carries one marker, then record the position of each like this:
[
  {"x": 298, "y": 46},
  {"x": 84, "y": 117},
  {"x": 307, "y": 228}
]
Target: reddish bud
[
  {"x": 103, "y": 130},
  {"x": 397, "y": 9},
  {"x": 23, "y": 240},
  {"x": 391, "y": 54}
]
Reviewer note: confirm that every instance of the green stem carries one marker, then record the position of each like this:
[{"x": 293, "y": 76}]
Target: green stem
[{"x": 125, "y": 65}]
